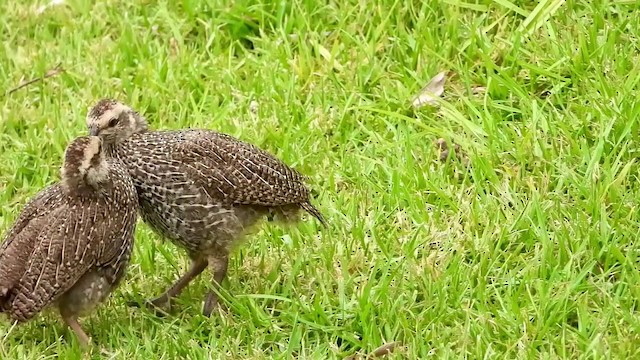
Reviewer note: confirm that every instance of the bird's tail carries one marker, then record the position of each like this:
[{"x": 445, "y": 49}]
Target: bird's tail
[{"x": 315, "y": 212}]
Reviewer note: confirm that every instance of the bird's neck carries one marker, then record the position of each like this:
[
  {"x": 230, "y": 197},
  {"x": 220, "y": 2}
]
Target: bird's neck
[
  {"x": 109, "y": 149},
  {"x": 78, "y": 187},
  {"x": 88, "y": 181}
]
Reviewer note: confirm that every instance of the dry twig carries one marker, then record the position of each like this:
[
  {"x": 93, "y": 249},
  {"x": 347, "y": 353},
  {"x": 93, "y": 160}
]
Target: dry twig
[{"x": 53, "y": 72}]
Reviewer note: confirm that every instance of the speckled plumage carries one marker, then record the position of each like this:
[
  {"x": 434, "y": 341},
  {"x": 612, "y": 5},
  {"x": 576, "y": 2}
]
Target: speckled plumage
[
  {"x": 199, "y": 188},
  {"x": 71, "y": 243}
]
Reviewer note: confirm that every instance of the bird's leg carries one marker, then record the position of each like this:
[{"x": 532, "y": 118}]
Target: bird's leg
[
  {"x": 73, "y": 324},
  {"x": 197, "y": 267},
  {"x": 219, "y": 266}
]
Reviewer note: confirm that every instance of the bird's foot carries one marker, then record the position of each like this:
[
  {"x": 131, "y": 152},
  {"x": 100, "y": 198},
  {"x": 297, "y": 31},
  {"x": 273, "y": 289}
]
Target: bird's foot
[
  {"x": 213, "y": 303},
  {"x": 161, "y": 305}
]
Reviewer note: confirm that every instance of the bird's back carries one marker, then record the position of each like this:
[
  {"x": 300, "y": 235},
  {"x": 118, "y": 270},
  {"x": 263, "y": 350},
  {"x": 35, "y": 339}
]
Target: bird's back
[{"x": 187, "y": 162}]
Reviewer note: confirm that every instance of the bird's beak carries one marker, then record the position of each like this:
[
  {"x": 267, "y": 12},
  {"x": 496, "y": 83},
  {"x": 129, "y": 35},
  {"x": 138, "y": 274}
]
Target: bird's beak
[{"x": 93, "y": 130}]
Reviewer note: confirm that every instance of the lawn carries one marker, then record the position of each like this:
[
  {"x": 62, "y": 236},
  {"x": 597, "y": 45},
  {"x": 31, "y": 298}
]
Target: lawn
[{"x": 521, "y": 246}]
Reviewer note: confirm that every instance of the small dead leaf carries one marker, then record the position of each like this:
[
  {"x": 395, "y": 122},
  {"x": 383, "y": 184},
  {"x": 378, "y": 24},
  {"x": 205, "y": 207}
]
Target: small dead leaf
[
  {"x": 383, "y": 350},
  {"x": 253, "y": 107},
  {"x": 431, "y": 92},
  {"x": 173, "y": 46},
  {"x": 476, "y": 90},
  {"x": 326, "y": 54},
  {"x": 52, "y": 3}
]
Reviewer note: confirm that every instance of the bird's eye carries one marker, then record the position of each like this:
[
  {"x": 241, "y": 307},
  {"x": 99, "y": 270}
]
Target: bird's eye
[{"x": 113, "y": 122}]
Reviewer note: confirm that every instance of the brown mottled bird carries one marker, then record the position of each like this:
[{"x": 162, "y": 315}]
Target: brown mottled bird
[
  {"x": 71, "y": 243},
  {"x": 199, "y": 188}
]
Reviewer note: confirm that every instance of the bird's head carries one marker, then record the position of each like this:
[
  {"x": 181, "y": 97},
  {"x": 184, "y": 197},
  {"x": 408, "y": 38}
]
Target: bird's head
[
  {"x": 114, "y": 121},
  {"x": 84, "y": 164}
]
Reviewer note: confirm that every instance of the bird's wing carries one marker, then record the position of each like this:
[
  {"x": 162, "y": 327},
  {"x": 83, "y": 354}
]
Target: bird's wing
[
  {"x": 40, "y": 205},
  {"x": 237, "y": 172},
  {"x": 64, "y": 250}
]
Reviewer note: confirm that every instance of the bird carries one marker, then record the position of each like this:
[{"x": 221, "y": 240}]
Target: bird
[
  {"x": 201, "y": 189},
  {"x": 71, "y": 244}
]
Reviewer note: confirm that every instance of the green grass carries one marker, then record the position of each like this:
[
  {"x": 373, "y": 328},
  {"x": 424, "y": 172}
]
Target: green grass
[{"x": 531, "y": 252}]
